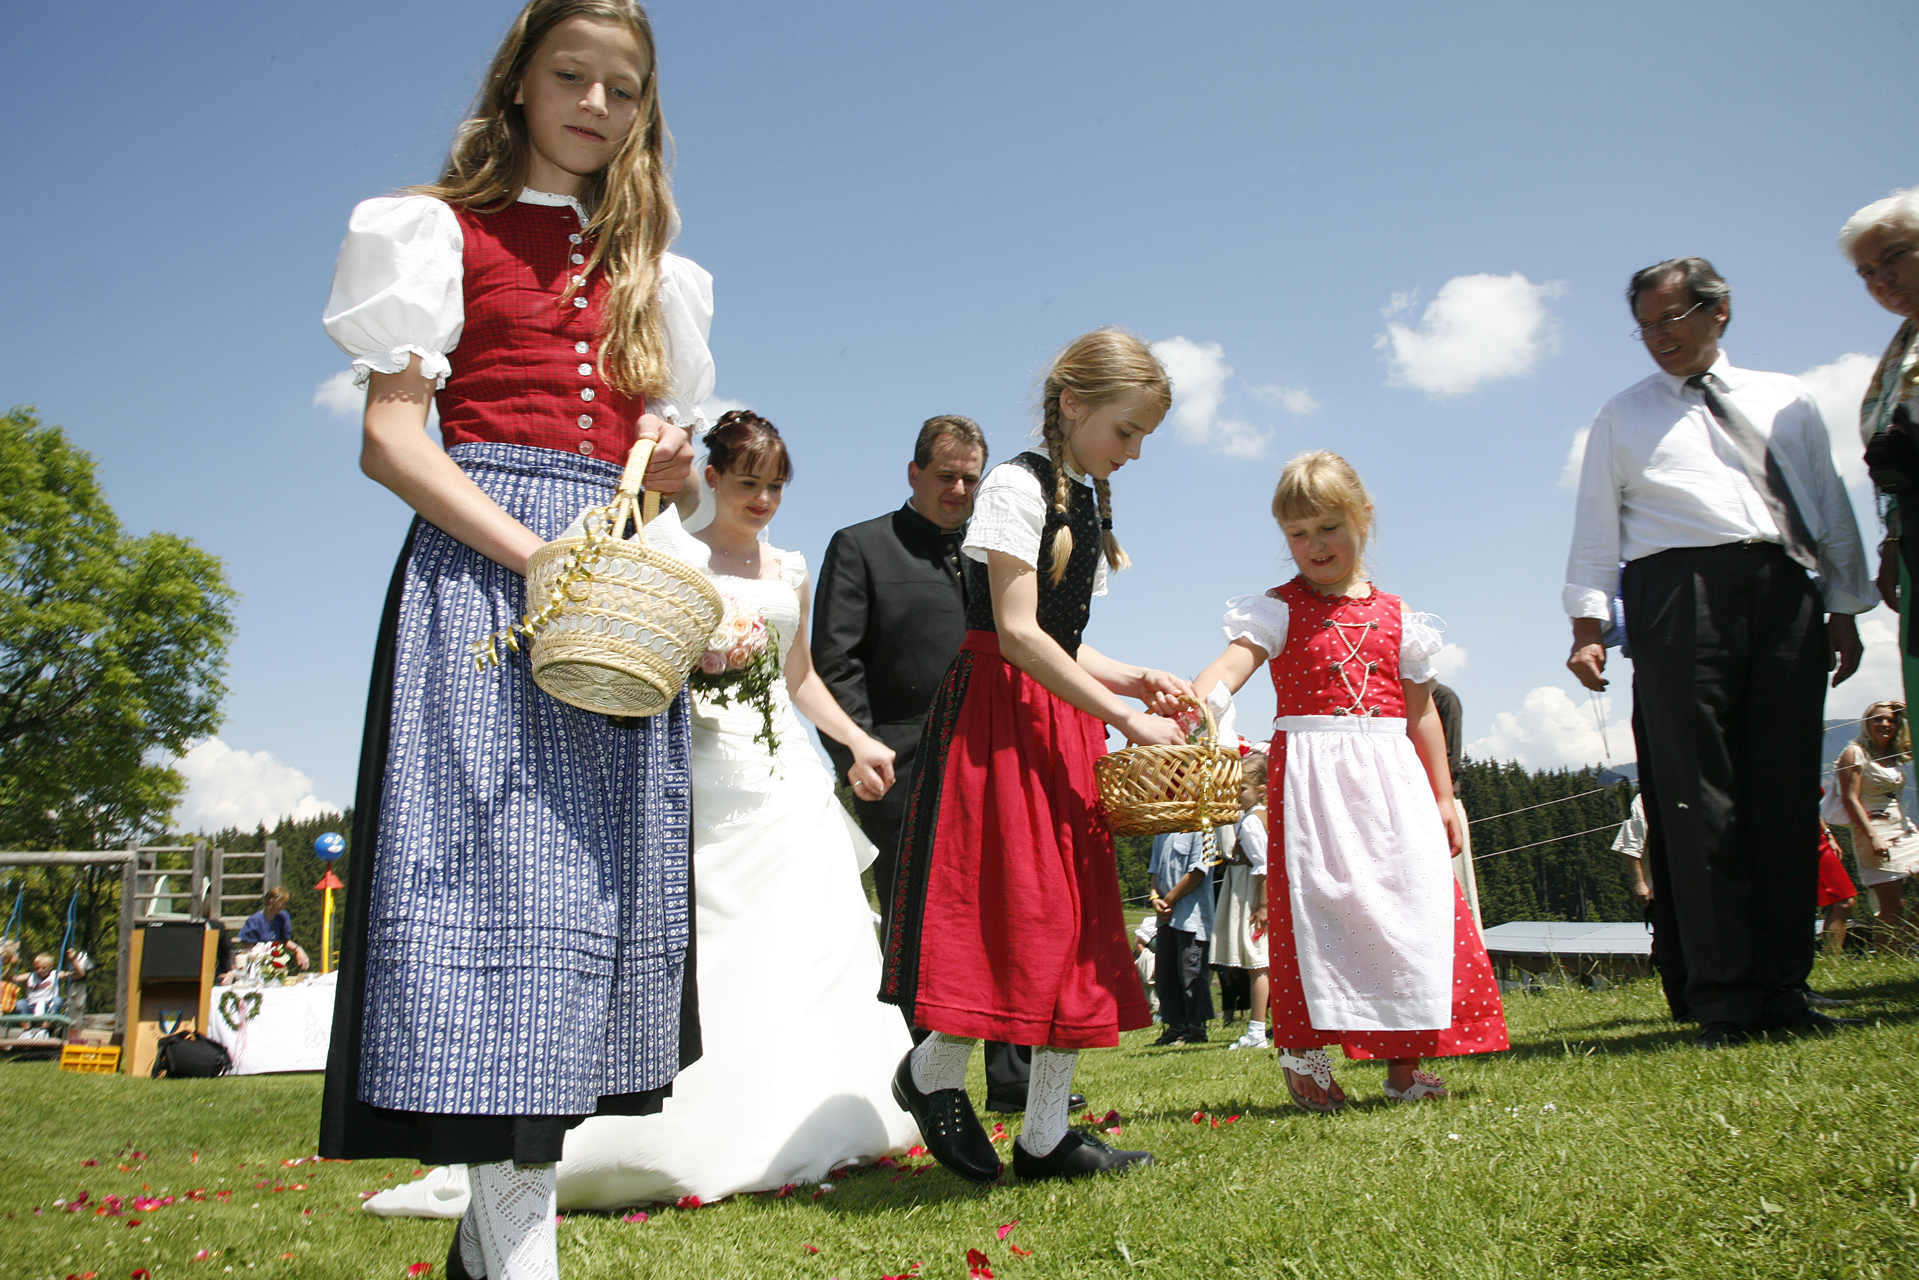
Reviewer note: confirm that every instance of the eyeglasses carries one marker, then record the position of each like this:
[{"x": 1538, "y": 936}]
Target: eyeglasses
[{"x": 1658, "y": 327}]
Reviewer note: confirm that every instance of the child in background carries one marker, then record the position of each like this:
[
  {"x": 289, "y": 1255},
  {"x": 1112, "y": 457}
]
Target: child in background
[
  {"x": 1239, "y": 930},
  {"x": 1146, "y": 960},
  {"x": 1006, "y": 922},
  {"x": 1181, "y": 877},
  {"x": 1372, "y": 943}
]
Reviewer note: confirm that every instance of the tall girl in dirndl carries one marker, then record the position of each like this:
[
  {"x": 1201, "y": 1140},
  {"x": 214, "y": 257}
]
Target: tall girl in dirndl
[
  {"x": 1006, "y": 922},
  {"x": 517, "y": 954}
]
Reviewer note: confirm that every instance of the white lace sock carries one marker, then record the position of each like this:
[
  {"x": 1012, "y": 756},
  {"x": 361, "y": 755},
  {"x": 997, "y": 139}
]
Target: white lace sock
[
  {"x": 939, "y": 1062},
  {"x": 1048, "y": 1099},
  {"x": 1255, "y": 1028},
  {"x": 515, "y": 1205},
  {"x": 472, "y": 1257}
]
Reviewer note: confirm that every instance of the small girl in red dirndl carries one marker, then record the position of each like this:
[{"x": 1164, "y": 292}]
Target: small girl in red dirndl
[
  {"x": 1006, "y": 921},
  {"x": 1372, "y": 943}
]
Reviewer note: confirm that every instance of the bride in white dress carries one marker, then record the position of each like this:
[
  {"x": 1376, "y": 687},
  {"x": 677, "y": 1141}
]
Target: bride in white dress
[{"x": 796, "y": 1074}]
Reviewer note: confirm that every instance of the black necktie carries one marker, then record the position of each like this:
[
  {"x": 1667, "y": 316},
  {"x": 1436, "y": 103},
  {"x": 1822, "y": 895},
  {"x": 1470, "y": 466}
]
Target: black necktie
[{"x": 1762, "y": 468}]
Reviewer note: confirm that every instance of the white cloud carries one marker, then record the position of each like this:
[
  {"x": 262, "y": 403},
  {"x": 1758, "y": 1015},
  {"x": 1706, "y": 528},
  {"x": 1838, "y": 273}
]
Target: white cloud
[
  {"x": 227, "y": 787},
  {"x": 1839, "y": 387},
  {"x": 713, "y": 407},
  {"x": 1450, "y": 661},
  {"x": 339, "y": 397},
  {"x": 1478, "y": 328},
  {"x": 1553, "y": 730},
  {"x": 1295, "y": 400},
  {"x": 1199, "y": 372},
  {"x": 1575, "y": 459}
]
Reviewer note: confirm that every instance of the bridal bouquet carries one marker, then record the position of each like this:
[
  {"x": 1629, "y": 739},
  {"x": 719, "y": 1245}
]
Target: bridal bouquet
[
  {"x": 268, "y": 963},
  {"x": 741, "y": 663}
]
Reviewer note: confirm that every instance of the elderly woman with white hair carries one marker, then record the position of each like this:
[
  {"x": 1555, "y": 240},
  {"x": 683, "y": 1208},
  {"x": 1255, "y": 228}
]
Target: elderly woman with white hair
[{"x": 1882, "y": 241}]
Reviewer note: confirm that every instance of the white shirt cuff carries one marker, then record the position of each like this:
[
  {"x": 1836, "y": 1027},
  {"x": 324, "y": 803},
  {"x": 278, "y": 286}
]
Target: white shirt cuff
[{"x": 1586, "y": 602}]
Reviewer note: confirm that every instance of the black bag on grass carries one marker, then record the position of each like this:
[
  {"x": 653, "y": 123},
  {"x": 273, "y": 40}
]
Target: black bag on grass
[{"x": 188, "y": 1053}]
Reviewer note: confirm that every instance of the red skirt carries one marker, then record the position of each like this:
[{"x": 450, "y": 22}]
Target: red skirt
[
  {"x": 1009, "y": 908},
  {"x": 1834, "y": 884},
  {"x": 1478, "y": 1019}
]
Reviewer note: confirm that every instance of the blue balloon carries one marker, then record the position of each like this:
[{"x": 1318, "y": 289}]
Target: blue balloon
[{"x": 329, "y": 846}]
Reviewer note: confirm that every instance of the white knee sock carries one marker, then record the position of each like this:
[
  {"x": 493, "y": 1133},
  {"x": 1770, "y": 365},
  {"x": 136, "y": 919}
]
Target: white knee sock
[
  {"x": 514, "y": 1221},
  {"x": 1048, "y": 1112},
  {"x": 939, "y": 1062},
  {"x": 472, "y": 1256}
]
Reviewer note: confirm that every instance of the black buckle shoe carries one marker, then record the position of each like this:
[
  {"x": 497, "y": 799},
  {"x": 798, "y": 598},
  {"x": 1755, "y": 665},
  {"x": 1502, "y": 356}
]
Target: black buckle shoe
[
  {"x": 1811, "y": 1021},
  {"x": 1722, "y": 1035},
  {"x": 951, "y": 1131},
  {"x": 1078, "y": 1154}
]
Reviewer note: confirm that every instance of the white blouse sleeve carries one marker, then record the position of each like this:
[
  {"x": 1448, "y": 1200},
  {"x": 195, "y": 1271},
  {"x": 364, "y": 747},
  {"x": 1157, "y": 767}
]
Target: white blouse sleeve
[
  {"x": 1420, "y": 638},
  {"x": 397, "y": 287},
  {"x": 1252, "y": 841},
  {"x": 1260, "y": 619},
  {"x": 686, "y": 307},
  {"x": 793, "y": 569},
  {"x": 1009, "y": 515}
]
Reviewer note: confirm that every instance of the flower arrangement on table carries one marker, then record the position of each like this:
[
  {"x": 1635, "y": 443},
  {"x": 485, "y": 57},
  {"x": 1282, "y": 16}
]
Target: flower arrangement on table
[
  {"x": 741, "y": 664},
  {"x": 268, "y": 963}
]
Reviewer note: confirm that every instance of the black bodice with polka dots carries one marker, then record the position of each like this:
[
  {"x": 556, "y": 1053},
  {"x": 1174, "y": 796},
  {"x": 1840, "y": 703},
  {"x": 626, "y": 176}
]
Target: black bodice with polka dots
[{"x": 1063, "y": 606}]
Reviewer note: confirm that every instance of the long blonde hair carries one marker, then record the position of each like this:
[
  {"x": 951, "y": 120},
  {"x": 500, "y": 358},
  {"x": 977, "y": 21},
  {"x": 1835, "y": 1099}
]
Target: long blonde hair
[
  {"x": 629, "y": 204},
  {"x": 1320, "y": 481},
  {"x": 1096, "y": 367},
  {"x": 1901, "y": 731}
]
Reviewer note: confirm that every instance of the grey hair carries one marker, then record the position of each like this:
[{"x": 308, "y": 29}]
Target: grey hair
[
  {"x": 1900, "y": 211},
  {"x": 1700, "y": 277}
]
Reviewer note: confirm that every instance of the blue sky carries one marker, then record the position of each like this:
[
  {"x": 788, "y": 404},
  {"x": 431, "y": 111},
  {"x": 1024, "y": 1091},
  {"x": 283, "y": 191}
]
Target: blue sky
[{"x": 1395, "y": 230}]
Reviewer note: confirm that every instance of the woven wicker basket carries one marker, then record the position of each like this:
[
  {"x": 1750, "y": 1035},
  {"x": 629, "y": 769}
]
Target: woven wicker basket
[
  {"x": 1147, "y": 791},
  {"x": 625, "y": 623}
]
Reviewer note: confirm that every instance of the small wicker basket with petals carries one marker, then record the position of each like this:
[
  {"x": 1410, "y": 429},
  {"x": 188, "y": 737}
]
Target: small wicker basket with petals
[
  {"x": 1147, "y": 791},
  {"x": 622, "y": 624}
]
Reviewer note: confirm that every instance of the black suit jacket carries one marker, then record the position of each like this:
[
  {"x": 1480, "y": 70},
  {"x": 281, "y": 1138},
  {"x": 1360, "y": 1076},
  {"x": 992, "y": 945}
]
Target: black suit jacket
[{"x": 889, "y": 613}]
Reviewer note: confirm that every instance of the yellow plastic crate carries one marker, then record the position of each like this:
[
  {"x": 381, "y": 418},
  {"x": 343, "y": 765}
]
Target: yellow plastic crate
[{"x": 96, "y": 1059}]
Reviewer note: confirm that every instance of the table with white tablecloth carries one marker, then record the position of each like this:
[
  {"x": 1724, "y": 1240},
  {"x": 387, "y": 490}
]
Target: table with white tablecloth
[{"x": 266, "y": 1029}]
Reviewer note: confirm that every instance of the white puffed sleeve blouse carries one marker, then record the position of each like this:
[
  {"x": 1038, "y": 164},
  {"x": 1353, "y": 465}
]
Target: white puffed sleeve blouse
[
  {"x": 1262, "y": 620},
  {"x": 1009, "y": 515},
  {"x": 397, "y": 293}
]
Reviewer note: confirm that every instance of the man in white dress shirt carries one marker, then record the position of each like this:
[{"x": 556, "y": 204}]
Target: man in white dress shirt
[{"x": 1743, "y": 568}]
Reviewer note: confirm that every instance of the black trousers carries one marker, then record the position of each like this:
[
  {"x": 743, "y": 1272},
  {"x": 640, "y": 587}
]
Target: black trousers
[
  {"x": 1184, "y": 985},
  {"x": 1729, "y": 656}
]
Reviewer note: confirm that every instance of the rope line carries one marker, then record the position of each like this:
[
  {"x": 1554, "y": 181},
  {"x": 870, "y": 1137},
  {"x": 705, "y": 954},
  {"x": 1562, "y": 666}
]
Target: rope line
[
  {"x": 1572, "y": 835},
  {"x": 1541, "y": 805}
]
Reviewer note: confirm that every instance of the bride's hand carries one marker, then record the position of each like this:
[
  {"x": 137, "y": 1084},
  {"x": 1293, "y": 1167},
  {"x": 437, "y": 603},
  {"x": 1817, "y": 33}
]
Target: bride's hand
[{"x": 871, "y": 775}]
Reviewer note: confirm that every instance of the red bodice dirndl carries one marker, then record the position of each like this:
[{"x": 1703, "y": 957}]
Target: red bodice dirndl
[
  {"x": 526, "y": 370},
  {"x": 1316, "y": 673}
]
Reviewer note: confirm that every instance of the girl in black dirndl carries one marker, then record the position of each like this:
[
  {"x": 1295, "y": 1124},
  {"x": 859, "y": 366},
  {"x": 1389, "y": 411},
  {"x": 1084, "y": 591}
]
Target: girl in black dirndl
[
  {"x": 518, "y": 947},
  {"x": 1006, "y": 922}
]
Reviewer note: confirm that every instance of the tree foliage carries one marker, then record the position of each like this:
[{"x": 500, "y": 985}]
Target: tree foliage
[
  {"x": 1533, "y": 863},
  {"x": 112, "y": 649}
]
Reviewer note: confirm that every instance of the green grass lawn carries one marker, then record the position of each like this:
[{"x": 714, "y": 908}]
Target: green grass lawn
[{"x": 1602, "y": 1144}]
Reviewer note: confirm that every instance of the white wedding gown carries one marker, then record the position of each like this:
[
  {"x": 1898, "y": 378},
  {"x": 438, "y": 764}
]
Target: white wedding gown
[{"x": 796, "y": 1074}]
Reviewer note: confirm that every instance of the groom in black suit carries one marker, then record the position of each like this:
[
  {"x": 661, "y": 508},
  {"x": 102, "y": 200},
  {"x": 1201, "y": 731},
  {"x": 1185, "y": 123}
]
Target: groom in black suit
[{"x": 889, "y": 612}]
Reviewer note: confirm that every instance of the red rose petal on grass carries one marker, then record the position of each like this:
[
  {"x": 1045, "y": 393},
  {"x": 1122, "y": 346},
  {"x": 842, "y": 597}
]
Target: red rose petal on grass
[
  {"x": 139, "y": 1155},
  {"x": 785, "y": 1190},
  {"x": 286, "y": 1257},
  {"x": 976, "y": 1268},
  {"x": 202, "y": 1256},
  {"x": 1019, "y": 1252},
  {"x": 89, "y": 1164},
  {"x": 1199, "y": 1117},
  {"x": 141, "y": 1274},
  {"x": 132, "y": 1223},
  {"x": 1006, "y": 1228},
  {"x": 810, "y": 1248},
  {"x": 634, "y": 1217},
  {"x": 916, "y": 1151},
  {"x": 420, "y": 1269},
  {"x": 194, "y": 1158},
  {"x": 687, "y": 1202}
]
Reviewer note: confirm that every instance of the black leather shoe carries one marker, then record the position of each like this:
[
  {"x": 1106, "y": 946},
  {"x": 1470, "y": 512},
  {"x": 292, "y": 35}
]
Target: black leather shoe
[
  {"x": 951, "y": 1131},
  {"x": 1722, "y": 1035},
  {"x": 1006, "y": 1103},
  {"x": 1817, "y": 1023},
  {"x": 455, "y": 1267},
  {"x": 1822, "y": 999},
  {"x": 1078, "y": 1154}
]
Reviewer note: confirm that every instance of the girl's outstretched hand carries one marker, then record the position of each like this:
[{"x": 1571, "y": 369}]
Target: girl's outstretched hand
[
  {"x": 1146, "y": 730},
  {"x": 1162, "y": 689}
]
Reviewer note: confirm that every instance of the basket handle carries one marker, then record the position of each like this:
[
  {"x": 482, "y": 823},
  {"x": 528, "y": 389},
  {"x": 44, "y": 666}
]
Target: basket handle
[{"x": 634, "y": 478}]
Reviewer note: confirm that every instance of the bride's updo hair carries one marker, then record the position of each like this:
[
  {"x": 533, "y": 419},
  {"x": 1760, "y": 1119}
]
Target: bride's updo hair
[{"x": 745, "y": 442}]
